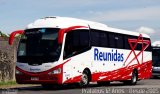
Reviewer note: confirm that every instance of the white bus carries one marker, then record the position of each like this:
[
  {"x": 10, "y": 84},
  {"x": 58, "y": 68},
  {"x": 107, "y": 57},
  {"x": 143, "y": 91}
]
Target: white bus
[
  {"x": 156, "y": 59},
  {"x": 62, "y": 50}
]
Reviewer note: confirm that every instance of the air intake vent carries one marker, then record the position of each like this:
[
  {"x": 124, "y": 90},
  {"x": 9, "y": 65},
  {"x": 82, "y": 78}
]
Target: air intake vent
[{"x": 49, "y": 17}]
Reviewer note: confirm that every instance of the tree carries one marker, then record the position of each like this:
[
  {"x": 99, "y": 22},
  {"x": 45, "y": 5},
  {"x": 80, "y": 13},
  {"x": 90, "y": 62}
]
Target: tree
[{"x": 3, "y": 34}]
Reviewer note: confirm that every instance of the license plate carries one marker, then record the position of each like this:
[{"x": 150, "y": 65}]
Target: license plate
[{"x": 34, "y": 78}]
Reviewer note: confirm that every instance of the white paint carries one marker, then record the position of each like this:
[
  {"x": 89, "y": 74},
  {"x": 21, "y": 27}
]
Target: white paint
[{"x": 78, "y": 63}]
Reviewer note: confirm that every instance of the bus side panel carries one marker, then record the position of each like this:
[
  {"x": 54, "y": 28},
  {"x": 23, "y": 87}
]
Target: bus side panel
[
  {"x": 118, "y": 71},
  {"x": 73, "y": 69},
  {"x": 145, "y": 69},
  {"x": 103, "y": 70},
  {"x": 111, "y": 68}
]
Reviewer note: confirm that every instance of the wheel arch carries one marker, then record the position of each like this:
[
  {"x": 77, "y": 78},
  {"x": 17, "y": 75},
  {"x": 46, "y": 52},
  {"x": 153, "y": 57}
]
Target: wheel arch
[{"x": 88, "y": 72}]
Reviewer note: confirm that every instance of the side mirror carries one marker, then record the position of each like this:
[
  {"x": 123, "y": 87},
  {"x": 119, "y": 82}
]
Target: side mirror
[
  {"x": 65, "y": 30},
  {"x": 13, "y": 34}
]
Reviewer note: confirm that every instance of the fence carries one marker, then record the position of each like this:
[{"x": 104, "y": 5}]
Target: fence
[{"x": 7, "y": 59}]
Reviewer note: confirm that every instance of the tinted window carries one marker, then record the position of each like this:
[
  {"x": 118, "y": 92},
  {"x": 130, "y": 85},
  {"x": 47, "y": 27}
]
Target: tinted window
[
  {"x": 138, "y": 46},
  {"x": 149, "y": 48},
  {"x": 103, "y": 39},
  {"x": 114, "y": 40},
  {"x": 127, "y": 44},
  {"x": 39, "y": 46},
  {"x": 111, "y": 40},
  {"x": 77, "y": 41},
  {"x": 99, "y": 38},
  {"x": 94, "y": 38},
  {"x": 156, "y": 56},
  {"x": 84, "y": 38},
  {"x": 119, "y": 41}
]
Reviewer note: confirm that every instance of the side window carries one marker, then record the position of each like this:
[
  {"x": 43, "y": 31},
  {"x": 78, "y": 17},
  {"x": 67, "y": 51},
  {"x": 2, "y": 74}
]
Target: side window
[
  {"x": 103, "y": 39},
  {"x": 84, "y": 38},
  {"x": 119, "y": 41},
  {"x": 94, "y": 38},
  {"x": 139, "y": 45},
  {"x": 77, "y": 41},
  {"x": 111, "y": 40},
  {"x": 68, "y": 49},
  {"x": 99, "y": 38},
  {"x": 149, "y": 48},
  {"x": 75, "y": 37},
  {"x": 126, "y": 44}
]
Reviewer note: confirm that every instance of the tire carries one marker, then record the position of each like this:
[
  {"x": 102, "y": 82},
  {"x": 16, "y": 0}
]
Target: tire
[
  {"x": 84, "y": 79},
  {"x": 155, "y": 77},
  {"x": 103, "y": 83},
  {"x": 47, "y": 86},
  {"x": 51, "y": 86},
  {"x": 133, "y": 80}
]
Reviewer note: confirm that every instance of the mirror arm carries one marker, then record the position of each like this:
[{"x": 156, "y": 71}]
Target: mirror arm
[
  {"x": 66, "y": 30},
  {"x": 13, "y": 34}
]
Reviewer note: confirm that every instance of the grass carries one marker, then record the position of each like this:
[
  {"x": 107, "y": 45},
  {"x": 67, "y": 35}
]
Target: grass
[{"x": 8, "y": 83}]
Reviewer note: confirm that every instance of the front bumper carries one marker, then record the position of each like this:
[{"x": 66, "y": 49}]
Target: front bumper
[
  {"x": 155, "y": 73},
  {"x": 38, "y": 78}
]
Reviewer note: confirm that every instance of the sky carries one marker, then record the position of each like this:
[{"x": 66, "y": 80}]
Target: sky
[{"x": 134, "y": 15}]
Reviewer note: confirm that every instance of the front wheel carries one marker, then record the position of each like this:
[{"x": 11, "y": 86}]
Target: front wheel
[
  {"x": 47, "y": 86},
  {"x": 103, "y": 83},
  {"x": 51, "y": 86},
  {"x": 84, "y": 79}
]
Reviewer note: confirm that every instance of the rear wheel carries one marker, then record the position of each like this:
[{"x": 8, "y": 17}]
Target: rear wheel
[{"x": 133, "y": 80}]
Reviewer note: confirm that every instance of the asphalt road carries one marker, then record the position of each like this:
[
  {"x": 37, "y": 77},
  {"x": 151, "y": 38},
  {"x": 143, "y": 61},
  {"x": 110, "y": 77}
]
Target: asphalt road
[{"x": 150, "y": 86}]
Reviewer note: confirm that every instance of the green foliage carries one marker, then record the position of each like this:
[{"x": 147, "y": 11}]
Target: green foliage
[
  {"x": 8, "y": 83},
  {"x": 7, "y": 35},
  {"x": 3, "y": 34},
  {"x": 18, "y": 36}
]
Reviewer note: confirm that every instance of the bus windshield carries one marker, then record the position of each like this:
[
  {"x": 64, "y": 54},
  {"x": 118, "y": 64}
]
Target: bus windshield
[
  {"x": 39, "y": 46},
  {"x": 156, "y": 56}
]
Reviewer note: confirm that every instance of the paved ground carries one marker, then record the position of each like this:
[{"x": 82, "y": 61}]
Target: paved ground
[{"x": 151, "y": 86}]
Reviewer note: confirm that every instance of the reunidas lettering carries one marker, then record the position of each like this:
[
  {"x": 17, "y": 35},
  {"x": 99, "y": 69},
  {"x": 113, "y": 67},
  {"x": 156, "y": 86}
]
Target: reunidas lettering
[{"x": 108, "y": 56}]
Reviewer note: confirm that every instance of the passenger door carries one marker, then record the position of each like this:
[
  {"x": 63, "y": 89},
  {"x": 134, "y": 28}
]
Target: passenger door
[{"x": 76, "y": 50}]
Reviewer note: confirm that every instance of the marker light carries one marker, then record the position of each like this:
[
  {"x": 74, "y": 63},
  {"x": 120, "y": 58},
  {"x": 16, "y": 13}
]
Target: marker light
[
  {"x": 18, "y": 72},
  {"x": 57, "y": 71}
]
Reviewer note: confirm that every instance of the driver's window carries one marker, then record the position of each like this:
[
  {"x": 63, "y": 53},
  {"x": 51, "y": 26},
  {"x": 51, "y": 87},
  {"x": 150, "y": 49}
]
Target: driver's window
[{"x": 76, "y": 42}]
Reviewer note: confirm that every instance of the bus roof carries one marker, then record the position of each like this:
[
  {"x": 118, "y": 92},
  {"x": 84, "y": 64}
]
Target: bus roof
[
  {"x": 156, "y": 44},
  {"x": 65, "y": 22}
]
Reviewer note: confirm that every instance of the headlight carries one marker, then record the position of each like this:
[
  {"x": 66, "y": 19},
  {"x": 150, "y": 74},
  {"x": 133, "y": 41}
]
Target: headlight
[
  {"x": 57, "y": 71},
  {"x": 18, "y": 72}
]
